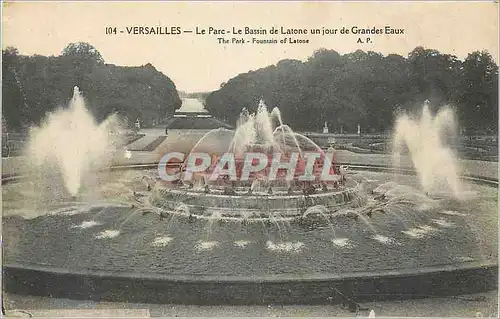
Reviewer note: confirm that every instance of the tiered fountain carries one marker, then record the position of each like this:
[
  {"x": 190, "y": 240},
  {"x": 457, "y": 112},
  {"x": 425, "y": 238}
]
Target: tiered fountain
[
  {"x": 258, "y": 198},
  {"x": 128, "y": 235}
]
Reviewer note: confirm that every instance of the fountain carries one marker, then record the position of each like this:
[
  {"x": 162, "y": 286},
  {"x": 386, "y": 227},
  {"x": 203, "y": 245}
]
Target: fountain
[
  {"x": 257, "y": 198},
  {"x": 73, "y": 142},
  {"x": 363, "y": 234},
  {"x": 434, "y": 162}
]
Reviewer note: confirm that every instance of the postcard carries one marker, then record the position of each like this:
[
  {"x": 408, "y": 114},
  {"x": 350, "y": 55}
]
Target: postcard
[{"x": 204, "y": 158}]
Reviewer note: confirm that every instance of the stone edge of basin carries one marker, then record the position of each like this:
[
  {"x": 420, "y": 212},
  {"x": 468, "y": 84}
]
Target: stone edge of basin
[{"x": 439, "y": 281}]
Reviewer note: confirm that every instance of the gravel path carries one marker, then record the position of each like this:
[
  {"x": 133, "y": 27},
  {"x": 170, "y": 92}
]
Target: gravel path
[{"x": 484, "y": 305}]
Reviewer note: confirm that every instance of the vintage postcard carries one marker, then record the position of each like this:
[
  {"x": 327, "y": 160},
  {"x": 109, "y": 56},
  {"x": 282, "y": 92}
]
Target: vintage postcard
[{"x": 313, "y": 159}]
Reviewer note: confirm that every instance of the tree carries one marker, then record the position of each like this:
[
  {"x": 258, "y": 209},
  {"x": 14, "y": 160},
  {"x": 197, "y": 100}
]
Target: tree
[
  {"x": 10, "y": 55},
  {"x": 363, "y": 87},
  {"x": 12, "y": 95},
  {"x": 83, "y": 50},
  {"x": 36, "y": 85},
  {"x": 479, "y": 92}
]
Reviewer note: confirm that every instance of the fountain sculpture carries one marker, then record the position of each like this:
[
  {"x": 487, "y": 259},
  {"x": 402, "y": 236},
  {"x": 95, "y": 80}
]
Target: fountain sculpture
[
  {"x": 280, "y": 198},
  {"x": 363, "y": 233}
]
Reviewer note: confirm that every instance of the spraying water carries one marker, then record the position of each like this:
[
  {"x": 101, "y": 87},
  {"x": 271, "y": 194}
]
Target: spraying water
[
  {"x": 259, "y": 128},
  {"x": 434, "y": 162},
  {"x": 71, "y": 140}
]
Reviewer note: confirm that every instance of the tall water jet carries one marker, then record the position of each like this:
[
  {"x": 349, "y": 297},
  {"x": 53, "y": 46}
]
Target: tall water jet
[
  {"x": 259, "y": 129},
  {"x": 264, "y": 123},
  {"x": 434, "y": 161},
  {"x": 71, "y": 140},
  {"x": 245, "y": 134}
]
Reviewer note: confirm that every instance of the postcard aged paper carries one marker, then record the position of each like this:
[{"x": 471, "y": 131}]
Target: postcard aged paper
[{"x": 312, "y": 159}]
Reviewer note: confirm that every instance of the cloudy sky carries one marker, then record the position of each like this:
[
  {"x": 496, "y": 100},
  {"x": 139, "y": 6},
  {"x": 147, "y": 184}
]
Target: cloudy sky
[{"x": 199, "y": 63}]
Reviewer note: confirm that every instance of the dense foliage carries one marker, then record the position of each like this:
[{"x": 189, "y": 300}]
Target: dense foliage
[
  {"x": 366, "y": 88},
  {"x": 35, "y": 85}
]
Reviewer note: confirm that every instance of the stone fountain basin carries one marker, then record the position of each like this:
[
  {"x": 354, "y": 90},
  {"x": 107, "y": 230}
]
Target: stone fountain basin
[
  {"x": 223, "y": 262},
  {"x": 252, "y": 206}
]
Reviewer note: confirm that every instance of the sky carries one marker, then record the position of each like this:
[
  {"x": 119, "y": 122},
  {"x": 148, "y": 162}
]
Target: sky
[{"x": 199, "y": 63}]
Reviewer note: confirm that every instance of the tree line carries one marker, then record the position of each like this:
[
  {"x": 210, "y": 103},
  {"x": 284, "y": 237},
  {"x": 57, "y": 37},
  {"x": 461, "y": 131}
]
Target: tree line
[
  {"x": 35, "y": 85},
  {"x": 366, "y": 88}
]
